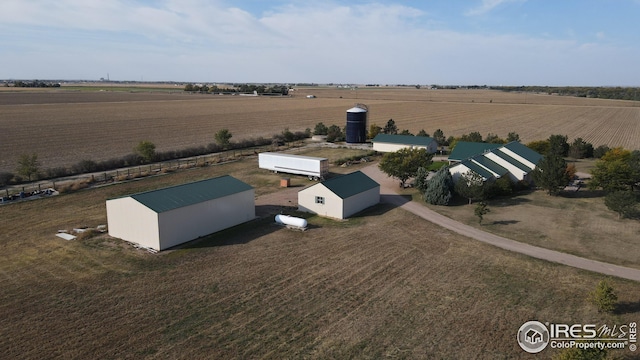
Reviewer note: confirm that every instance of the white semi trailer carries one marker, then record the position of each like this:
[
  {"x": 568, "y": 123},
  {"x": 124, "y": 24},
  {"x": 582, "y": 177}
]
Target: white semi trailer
[{"x": 313, "y": 167}]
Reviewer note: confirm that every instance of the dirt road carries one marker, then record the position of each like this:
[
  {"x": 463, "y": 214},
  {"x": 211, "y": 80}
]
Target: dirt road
[{"x": 389, "y": 195}]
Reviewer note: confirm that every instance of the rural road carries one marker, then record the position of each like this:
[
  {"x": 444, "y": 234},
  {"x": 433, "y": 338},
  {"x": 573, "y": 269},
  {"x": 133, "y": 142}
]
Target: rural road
[{"x": 388, "y": 195}]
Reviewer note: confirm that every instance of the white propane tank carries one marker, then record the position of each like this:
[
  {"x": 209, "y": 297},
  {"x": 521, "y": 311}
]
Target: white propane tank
[{"x": 292, "y": 221}]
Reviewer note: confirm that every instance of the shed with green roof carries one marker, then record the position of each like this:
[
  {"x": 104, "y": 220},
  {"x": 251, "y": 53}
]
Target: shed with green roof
[
  {"x": 340, "y": 197},
  {"x": 392, "y": 143},
  {"x": 467, "y": 149},
  {"x": 163, "y": 218},
  {"x": 493, "y": 161}
]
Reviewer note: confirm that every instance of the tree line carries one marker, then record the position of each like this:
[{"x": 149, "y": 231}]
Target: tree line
[
  {"x": 33, "y": 84},
  {"x": 618, "y": 93},
  {"x": 238, "y": 89},
  {"x": 29, "y": 167}
]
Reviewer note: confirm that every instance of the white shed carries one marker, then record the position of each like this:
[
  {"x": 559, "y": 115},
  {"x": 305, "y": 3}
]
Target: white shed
[
  {"x": 393, "y": 143},
  {"x": 341, "y": 196},
  {"x": 164, "y": 218}
]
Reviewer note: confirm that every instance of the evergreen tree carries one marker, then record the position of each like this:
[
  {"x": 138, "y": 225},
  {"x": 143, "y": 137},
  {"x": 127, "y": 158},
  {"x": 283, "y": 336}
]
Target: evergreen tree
[
  {"x": 320, "y": 129},
  {"x": 223, "y": 138},
  {"x": 558, "y": 145},
  {"x": 390, "y": 128},
  {"x": 438, "y": 135},
  {"x": 439, "y": 188},
  {"x": 146, "y": 150},
  {"x": 604, "y": 297},
  {"x": 551, "y": 174},
  {"x": 622, "y": 202}
]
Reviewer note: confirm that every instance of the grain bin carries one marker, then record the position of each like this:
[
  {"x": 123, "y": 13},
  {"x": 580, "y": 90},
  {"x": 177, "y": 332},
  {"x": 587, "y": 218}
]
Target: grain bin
[{"x": 357, "y": 124}]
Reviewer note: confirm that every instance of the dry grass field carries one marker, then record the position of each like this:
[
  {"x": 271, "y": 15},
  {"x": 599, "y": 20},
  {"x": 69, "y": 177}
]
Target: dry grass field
[
  {"x": 576, "y": 223},
  {"x": 384, "y": 284},
  {"x": 64, "y": 127}
]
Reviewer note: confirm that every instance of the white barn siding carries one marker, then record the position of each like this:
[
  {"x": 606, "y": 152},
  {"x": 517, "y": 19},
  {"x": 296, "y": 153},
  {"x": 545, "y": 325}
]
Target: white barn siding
[
  {"x": 513, "y": 170},
  {"x": 129, "y": 220},
  {"x": 389, "y": 147},
  {"x": 191, "y": 222},
  {"x": 356, "y": 203},
  {"x": 332, "y": 206},
  {"x": 458, "y": 170}
]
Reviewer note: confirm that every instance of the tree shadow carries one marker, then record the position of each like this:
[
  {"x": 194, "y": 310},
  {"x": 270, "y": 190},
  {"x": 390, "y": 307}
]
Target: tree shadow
[
  {"x": 505, "y": 222},
  {"x": 583, "y": 193},
  {"x": 627, "y": 307},
  {"x": 509, "y": 201}
]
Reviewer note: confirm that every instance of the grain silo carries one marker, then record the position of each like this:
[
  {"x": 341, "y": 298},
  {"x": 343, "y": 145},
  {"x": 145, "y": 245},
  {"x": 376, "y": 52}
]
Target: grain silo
[{"x": 357, "y": 124}]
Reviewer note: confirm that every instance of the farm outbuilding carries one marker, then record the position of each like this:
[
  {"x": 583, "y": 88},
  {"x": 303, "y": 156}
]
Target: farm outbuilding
[
  {"x": 164, "y": 218},
  {"x": 340, "y": 197},
  {"x": 513, "y": 159},
  {"x": 392, "y": 143}
]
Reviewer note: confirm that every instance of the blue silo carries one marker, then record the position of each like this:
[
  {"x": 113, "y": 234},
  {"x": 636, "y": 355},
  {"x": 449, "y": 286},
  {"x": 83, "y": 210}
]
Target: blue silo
[{"x": 357, "y": 124}]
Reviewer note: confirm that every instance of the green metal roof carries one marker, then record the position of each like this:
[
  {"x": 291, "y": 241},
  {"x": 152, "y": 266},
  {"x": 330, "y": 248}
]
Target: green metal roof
[
  {"x": 477, "y": 169},
  {"x": 464, "y": 149},
  {"x": 403, "y": 139},
  {"x": 524, "y": 151},
  {"x": 511, "y": 160},
  {"x": 348, "y": 185},
  {"x": 174, "y": 197},
  {"x": 490, "y": 164}
]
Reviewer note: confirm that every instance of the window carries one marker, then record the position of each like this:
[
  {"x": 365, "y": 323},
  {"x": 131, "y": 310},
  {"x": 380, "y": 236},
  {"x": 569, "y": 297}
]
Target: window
[{"x": 320, "y": 200}]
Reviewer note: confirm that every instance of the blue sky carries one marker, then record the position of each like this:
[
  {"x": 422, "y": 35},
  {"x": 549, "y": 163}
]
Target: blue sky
[{"x": 466, "y": 42}]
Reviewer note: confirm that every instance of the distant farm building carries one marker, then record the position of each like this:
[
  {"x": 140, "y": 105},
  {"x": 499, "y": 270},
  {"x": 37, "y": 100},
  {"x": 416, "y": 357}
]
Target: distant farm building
[
  {"x": 392, "y": 143},
  {"x": 164, "y": 218},
  {"x": 341, "y": 196},
  {"x": 513, "y": 160}
]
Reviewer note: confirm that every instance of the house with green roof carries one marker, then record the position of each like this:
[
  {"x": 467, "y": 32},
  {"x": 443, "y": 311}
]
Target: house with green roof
[
  {"x": 393, "y": 143},
  {"x": 340, "y": 197},
  {"x": 163, "y": 218},
  {"x": 465, "y": 149},
  {"x": 513, "y": 160}
]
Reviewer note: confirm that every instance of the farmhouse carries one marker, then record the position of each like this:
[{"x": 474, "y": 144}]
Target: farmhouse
[
  {"x": 341, "y": 196},
  {"x": 163, "y": 218},
  {"x": 513, "y": 159},
  {"x": 391, "y": 143}
]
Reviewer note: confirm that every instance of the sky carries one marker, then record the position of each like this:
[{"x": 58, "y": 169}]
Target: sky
[{"x": 443, "y": 42}]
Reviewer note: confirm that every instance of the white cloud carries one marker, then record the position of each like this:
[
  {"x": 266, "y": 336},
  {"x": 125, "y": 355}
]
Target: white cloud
[
  {"x": 198, "y": 40},
  {"x": 487, "y": 5}
]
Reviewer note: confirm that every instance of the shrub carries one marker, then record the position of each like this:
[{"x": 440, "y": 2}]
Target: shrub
[
  {"x": 56, "y": 172},
  {"x": 85, "y": 166},
  {"x": 600, "y": 151},
  {"x": 604, "y": 297},
  {"x": 88, "y": 234},
  {"x": 5, "y": 178}
]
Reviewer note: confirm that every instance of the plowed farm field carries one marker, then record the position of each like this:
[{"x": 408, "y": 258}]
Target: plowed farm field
[{"x": 64, "y": 127}]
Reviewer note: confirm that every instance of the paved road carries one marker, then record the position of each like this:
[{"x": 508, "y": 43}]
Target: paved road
[{"x": 389, "y": 195}]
